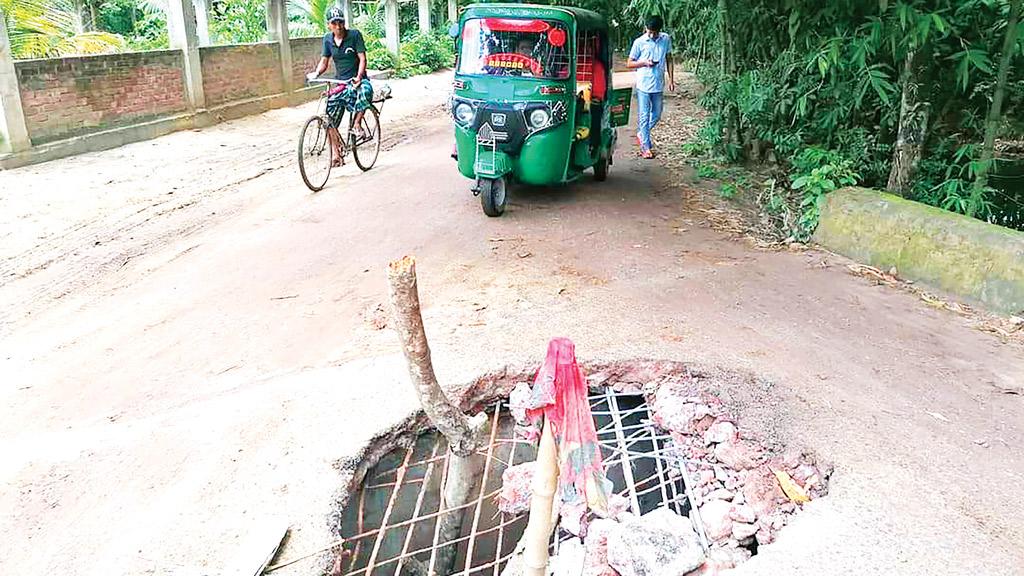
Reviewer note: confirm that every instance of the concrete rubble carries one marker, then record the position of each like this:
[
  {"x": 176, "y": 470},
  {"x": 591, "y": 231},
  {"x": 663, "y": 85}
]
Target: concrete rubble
[
  {"x": 735, "y": 489},
  {"x": 659, "y": 543}
]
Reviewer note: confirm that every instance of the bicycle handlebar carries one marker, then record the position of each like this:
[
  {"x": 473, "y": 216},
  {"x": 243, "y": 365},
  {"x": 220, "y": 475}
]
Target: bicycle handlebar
[{"x": 328, "y": 81}]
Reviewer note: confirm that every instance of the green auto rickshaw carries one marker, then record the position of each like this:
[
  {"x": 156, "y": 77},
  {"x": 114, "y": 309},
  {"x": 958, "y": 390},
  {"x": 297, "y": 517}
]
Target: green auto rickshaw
[{"x": 533, "y": 101}]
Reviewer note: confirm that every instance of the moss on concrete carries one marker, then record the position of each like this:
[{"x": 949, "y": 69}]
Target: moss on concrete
[{"x": 980, "y": 262}]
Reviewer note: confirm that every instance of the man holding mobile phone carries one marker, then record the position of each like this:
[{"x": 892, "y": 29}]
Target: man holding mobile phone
[{"x": 651, "y": 57}]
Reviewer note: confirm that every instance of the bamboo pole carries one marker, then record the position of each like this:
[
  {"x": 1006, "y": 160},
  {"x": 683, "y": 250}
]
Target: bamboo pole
[{"x": 542, "y": 519}]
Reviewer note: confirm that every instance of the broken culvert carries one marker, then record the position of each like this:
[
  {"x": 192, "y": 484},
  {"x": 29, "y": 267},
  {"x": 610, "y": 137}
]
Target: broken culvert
[{"x": 654, "y": 476}]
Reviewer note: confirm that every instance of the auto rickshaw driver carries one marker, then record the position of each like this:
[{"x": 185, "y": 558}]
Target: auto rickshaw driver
[{"x": 525, "y": 47}]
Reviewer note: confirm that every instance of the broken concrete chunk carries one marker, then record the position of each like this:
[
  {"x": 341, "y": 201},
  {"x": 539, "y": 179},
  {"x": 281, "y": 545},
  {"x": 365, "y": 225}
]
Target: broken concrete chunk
[
  {"x": 596, "y": 545},
  {"x": 742, "y": 512},
  {"x": 715, "y": 515},
  {"x": 719, "y": 432},
  {"x": 729, "y": 557},
  {"x": 570, "y": 559},
  {"x": 677, "y": 409},
  {"x": 720, "y": 494},
  {"x": 736, "y": 454},
  {"x": 515, "y": 488},
  {"x": 660, "y": 543},
  {"x": 761, "y": 491},
  {"x": 742, "y": 531},
  {"x": 680, "y": 417},
  {"x": 519, "y": 399}
]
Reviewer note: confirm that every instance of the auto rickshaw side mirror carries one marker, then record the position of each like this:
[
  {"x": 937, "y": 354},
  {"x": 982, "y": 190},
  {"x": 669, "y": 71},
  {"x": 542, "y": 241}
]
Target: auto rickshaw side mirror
[{"x": 453, "y": 30}]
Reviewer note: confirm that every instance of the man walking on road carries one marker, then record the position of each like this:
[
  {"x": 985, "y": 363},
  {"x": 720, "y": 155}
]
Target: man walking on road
[{"x": 651, "y": 57}]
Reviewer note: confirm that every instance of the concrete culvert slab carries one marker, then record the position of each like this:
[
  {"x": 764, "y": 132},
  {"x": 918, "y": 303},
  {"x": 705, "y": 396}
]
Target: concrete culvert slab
[{"x": 669, "y": 447}]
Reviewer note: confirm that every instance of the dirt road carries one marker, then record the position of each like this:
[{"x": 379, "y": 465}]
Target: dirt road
[{"x": 190, "y": 341}]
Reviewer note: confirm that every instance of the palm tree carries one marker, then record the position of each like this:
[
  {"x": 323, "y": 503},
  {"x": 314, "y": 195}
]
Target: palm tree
[
  {"x": 313, "y": 12},
  {"x": 52, "y": 29}
]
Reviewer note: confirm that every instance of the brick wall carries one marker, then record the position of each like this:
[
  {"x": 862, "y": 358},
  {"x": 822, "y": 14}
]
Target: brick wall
[
  {"x": 66, "y": 97},
  {"x": 241, "y": 71},
  {"x": 305, "y": 54}
]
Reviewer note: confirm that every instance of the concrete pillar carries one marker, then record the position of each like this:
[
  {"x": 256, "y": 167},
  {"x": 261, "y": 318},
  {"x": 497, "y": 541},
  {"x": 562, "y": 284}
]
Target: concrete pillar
[
  {"x": 277, "y": 16},
  {"x": 202, "y": 21},
  {"x": 273, "y": 16},
  {"x": 183, "y": 14},
  {"x": 13, "y": 130},
  {"x": 424, "y": 16},
  {"x": 391, "y": 25},
  {"x": 346, "y": 7},
  {"x": 453, "y": 11}
]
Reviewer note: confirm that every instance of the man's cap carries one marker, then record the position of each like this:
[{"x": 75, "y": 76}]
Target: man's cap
[{"x": 335, "y": 14}]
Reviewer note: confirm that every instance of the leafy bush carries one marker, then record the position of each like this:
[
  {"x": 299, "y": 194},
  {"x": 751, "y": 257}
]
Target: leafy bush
[
  {"x": 373, "y": 43},
  {"x": 429, "y": 50},
  {"x": 817, "y": 172},
  {"x": 380, "y": 59},
  {"x": 407, "y": 71}
]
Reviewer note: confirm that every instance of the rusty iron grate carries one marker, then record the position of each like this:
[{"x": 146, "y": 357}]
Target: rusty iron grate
[{"x": 391, "y": 527}]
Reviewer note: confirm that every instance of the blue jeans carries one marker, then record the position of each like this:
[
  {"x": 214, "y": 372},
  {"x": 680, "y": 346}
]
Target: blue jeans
[{"x": 649, "y": 106}]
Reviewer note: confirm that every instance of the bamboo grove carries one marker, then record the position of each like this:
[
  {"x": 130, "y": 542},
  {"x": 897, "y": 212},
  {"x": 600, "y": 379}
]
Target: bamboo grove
[{"x": 910, "y": 96}]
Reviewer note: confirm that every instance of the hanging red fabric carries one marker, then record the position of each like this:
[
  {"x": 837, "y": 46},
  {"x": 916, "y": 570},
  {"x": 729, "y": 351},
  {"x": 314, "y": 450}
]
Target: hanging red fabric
[{"x": 561, "y": 396}]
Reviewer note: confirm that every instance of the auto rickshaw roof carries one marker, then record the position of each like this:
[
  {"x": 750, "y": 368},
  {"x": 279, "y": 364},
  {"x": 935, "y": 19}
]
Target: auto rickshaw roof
[{"x": 585, "y": 19}]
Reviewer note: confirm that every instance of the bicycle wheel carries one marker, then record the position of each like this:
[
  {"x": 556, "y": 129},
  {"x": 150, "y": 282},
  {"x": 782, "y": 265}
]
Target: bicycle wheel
[
  {"x": 366, "y": 148},
  {"x": 315, "y": 153}
]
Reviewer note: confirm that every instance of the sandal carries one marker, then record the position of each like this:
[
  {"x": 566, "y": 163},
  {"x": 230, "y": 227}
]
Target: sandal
[{"x": 647, "y": 154}]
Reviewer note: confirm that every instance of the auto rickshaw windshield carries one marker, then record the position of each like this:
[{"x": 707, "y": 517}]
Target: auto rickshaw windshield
[{"x": 515, "y": 47}]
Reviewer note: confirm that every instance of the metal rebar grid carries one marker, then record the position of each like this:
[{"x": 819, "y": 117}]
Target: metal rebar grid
[{"x": 394, "y": 526}]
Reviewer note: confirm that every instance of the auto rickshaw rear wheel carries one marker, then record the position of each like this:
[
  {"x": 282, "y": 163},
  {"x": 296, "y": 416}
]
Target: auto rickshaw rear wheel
[
  {"x": 493, "y": 195},
  {"x": 601, "y": 167}
]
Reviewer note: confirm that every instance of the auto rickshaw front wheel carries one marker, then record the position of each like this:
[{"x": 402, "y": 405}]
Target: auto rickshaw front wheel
[{"x": 493, "y": 195}]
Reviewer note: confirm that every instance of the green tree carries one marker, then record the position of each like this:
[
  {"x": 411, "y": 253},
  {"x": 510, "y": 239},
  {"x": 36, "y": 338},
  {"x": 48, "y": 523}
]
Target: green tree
[
  {"x": 53, "y": 28},
  {"x": 238, "y": 21},
  {"x": 899, "y": 88},
  {"x": 994, "y": 120},
  {"x": 307, "y": 16}
]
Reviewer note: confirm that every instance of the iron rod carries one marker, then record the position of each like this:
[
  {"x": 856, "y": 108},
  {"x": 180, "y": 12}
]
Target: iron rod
[
  {"x": 387, "y": 513},
  {"x": 627, "y": 470},
  {"x": 483, "y": 486},
  {"x": 416, "y": 509}
]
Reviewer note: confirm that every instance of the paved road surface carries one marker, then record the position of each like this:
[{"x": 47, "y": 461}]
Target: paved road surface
[{"x": 189, "y": 344}]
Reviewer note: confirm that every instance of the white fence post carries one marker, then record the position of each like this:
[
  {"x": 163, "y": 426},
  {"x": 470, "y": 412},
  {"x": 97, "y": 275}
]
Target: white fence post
[
  {"x": 277, "y": 19},
  {"x": 183, "y": 15},
  {"x": 391, "y": 25},
  {"x": 346, "y": 7},
  {"x": 424, "y": 16},
  {"x": 202, "y": 21},
  {"x": 13, "y": 129}
]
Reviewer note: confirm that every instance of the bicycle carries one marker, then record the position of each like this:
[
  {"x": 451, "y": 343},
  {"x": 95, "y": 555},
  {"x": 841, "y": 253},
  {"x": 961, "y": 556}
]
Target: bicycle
[{"x": 316, "y": 156}]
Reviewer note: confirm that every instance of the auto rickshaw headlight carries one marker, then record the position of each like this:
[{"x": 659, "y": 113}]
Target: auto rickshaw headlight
[
  {"x": 539, "y": 118},
  {"x": 464, "y": 113}
]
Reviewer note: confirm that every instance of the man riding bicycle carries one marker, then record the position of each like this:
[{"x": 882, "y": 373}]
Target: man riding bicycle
[{"x": 348, "y": 51}]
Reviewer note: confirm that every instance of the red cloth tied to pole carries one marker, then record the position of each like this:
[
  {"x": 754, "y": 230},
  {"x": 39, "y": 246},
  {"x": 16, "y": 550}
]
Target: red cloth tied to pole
[{"x": 560, "y": 395}]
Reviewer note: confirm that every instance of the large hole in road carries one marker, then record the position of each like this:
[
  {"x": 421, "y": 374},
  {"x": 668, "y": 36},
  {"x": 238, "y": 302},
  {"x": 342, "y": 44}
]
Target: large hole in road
[{"x": 666, "y": 441}]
